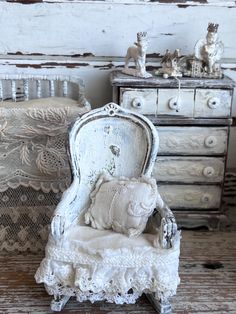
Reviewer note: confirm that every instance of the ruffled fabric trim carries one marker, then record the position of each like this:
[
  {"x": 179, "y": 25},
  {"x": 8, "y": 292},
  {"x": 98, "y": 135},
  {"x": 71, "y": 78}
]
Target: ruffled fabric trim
[
  {"x": 111, "y": 274},
  {"x": 107, "y": 283}
]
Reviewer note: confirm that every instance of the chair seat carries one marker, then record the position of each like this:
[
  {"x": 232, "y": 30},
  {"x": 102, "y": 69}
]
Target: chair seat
[
  {"x": 106, "y": 242},
  {"x": 88, "y": 259}
]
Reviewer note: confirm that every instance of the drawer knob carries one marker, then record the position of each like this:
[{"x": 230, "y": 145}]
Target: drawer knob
[
  {"x": 206, "y": 198},
  {"x": 174, "y": 103},
  {"x": 208, "y": 172},
  {"x": 213, "y": 102},
  {"x": 138, "y": 102},
  {"x": 210, "y": 141}
]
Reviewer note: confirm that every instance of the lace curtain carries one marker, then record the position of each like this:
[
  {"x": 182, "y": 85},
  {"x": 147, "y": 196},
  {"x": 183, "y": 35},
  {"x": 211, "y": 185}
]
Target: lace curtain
[{"x": 34, "y": 168}]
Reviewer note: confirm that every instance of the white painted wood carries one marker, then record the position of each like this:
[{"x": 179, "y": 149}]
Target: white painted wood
[
  {"x": 189, "y": 169},
  {"x": 111, "y": 36},
  {"x": 122, "y": 143},
  {"x": 221, "y": 3},
  {"x": 139, "y": 100},
  {"x": 95, "y": 72},
  {"x": 18, "y": 87},
  {"x": 175, "y": 102},
  {"x": 212, "y": 103},
  {"x": 1, "y": 91},
  {"x": 191, "y": 196},
  {"x": 192, "y": 140},
  {"x": 39, "y": 88},
  {"x": 198, "y": 137},
  {"x": 52, "y": 88},
  {"x": 96, "y": 77},
  {"x": 65, "y": 89},
  {"x": 26, "y": 89},
  {"x": 231, "y": 162},
  {"x": 118, "y": 135},
  {"x": 13, "y": 89}
]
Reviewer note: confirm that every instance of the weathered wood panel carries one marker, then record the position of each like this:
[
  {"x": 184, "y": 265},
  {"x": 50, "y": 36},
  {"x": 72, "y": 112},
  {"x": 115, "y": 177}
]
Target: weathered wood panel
[
  {"x": 221, "y": 3},
  {"x": 120, "y": 79},
  {"x": 53, "y": 35},
  {"x": 189, "y": 169},
  {"x": 212, "y": 103},
  {"x": 191, "y": 196},
  {"x": 207, "y": 272},
  {"x": 140, "y": 100},
  {"x": 192, "y": 140},
  {"x": 175, "y": 103}
]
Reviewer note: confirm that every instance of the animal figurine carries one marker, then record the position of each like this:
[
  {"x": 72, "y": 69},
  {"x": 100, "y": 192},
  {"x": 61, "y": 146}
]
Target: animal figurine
[{"x": 138, "y": 54}]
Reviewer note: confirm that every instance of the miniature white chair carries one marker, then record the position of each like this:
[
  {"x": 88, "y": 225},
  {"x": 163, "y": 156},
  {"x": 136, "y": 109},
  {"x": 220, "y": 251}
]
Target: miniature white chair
[{"x": 96, "y": 264}]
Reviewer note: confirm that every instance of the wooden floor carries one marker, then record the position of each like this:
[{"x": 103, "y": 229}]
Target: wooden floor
[{"x": 207, "y": 271}]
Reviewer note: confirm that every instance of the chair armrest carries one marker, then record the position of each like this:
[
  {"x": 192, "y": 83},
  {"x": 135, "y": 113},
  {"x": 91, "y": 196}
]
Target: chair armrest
[
  {"x": 168, "y": 227},
  {"x": 66, "y": 211}
]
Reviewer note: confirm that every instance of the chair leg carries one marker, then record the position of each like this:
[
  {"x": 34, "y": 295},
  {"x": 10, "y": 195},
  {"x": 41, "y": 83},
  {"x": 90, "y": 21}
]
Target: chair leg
[
  {"x": 161, "y": 307},
  {"x": 58, "y": 303}
]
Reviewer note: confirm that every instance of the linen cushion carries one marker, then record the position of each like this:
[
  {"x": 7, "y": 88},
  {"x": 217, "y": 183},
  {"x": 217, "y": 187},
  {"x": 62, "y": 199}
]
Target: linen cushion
[{"x": 122, "y": 204}]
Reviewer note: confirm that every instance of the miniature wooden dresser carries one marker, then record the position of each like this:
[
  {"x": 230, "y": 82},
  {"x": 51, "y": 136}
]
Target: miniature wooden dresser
[{"x": 193, "y": 125}]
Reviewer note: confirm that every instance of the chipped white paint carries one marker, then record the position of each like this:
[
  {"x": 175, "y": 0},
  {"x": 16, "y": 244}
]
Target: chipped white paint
[
  {"x": 181, "y": 178},
  {"x": 189, "y": 169},
  {"x": 20, "y": 87},
  {"x": 212, "y": 103},
  {"x": 18, "y": 22},
  {"x": 141, "y": 100},
  {"x": 106, "y": 256},
  {"x": 176, "y": 103},
  {"x": 191, "y": 196},
  {"x": 192, "y": 140},
  {"x": 221, "y": 3},
  {"x": 111, "y": 36}
]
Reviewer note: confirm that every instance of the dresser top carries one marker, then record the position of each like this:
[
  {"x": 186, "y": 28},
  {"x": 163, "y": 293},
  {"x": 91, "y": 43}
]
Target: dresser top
[{"x": 119, "y": 79}]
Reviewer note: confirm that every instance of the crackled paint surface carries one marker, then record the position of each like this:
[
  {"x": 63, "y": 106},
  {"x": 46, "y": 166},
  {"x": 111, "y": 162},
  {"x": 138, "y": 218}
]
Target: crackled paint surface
[{"x": 37, "y": 38}]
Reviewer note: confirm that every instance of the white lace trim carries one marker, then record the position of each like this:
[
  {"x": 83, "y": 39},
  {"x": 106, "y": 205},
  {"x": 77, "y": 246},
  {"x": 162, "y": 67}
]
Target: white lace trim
[
  {"x": 108, "y": 282},
  {"x": 125, "y": 257}
]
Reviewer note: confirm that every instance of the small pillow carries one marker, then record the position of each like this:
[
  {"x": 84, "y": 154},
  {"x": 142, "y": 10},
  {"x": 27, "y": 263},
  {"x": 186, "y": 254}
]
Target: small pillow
[{"x": 122, "y": 204}]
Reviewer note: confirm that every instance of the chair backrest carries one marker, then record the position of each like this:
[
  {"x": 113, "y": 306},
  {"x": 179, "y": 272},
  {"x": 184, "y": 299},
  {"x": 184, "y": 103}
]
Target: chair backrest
[
  {"x": 114, "y": 140},
  {"x": 26, "y": 87}
]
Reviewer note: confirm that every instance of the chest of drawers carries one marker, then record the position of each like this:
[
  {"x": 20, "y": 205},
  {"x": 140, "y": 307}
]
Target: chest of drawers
[{"x": 193, "y": 117}]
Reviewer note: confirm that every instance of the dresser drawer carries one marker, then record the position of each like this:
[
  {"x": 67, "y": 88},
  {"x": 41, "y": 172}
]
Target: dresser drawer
[
  {"x": 140, "y": 100},
  {"x": 212, "y": 103},
  {"x": 192, "y": 140},
  {"x": 189, "y": 169},
  {"x": 191, "y": 196},
  {"x": 170, "y": 103}
]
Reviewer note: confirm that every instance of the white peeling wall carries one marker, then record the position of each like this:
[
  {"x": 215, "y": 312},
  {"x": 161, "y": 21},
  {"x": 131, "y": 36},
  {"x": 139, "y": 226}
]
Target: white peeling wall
[
  {"x": 89, "y": 38},
  {"x": 106, "y": 29}
]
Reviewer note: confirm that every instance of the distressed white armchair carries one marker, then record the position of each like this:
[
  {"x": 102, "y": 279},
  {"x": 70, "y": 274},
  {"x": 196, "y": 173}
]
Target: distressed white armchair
[{"x": 94, "y": 264}]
